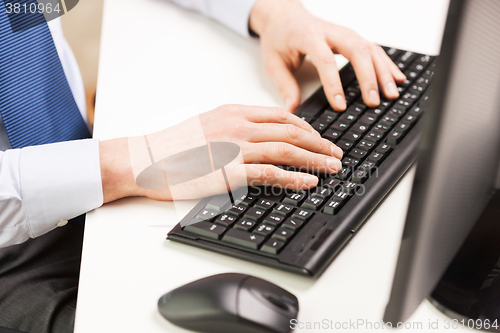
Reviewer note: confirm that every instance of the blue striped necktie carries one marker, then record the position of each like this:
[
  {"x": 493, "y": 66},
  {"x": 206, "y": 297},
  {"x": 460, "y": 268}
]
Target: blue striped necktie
[{"x": 36, "y": 103}]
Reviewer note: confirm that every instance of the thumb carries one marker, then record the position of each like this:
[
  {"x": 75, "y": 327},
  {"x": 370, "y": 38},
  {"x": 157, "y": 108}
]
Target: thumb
[{"x": 281, "y": 75}]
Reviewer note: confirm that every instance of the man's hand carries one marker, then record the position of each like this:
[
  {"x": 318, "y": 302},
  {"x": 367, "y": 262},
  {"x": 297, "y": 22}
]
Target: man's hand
[
  {"x": 265, "y": 136},
  {"x": 288, "y": 33}
]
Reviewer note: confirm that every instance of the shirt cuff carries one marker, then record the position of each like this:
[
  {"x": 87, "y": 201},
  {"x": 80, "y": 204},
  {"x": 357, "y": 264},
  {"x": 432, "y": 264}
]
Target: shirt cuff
[
  {"x": 235, "y": 14},
  {"x": 59, "y": 182}
]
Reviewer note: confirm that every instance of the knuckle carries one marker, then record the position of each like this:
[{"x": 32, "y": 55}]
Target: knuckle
[
  {"x": 292, "y": 132},
  {"x": 284, "y": 151},
  {"x": 362, "y": 49},
  {"x": 326, "y": 146},
  {"x": 267, "y": 173},
  {"x": 279, "y": 114}
]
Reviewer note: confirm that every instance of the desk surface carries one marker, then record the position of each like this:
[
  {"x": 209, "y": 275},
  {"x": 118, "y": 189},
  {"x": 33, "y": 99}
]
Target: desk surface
[{"x": 161, "y": 64}]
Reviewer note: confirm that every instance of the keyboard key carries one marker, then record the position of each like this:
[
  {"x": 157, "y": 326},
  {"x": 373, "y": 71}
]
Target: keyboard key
[
  {"x": 341, "y": 196},
  {"x": 320, "y": 125},
  {"x": 384, "y": 103},
  {"x": 382, "y": 127},
  {"x": 283, "y": 234},
  {"x": 350, "y": 162},
  {"x": 332, "y": 183},
  {"x": 384, "y": 148},
  {"x": 272, "y": 246},
  {"x": 345, "y": 145},
  {"x": 374, "y": 136},
  {"x": 349, "y": 187},
  {"x": 352, "y": 136},
  {"x": 368, "y": 119},
  {"x": 264, "y": 230},
  {"x": 264, "y": 204},
  {"x": 294, "y": 198},
  {"x": 348, "y": 117},
  {"x": 205, "y": 229},
  {"x": 344, "y": 173},
  {"x": 321, "y": 192},
  {"x": 376, "y": 112},
  {"x": 340, "y": 125},
  {"x": 409, "y": 119},
  {"x": 402, "y": 127},
  {"x": 329, "y": 116},
  {"x": 312, "y": 203},
  {"x": 394, "y": 137},
  {"x": 306, "y": 117},
  {"x": 293, "y": 223},
  {"x": 245, "y": 224},
  {"x": 332, "y": 134},
  {"x": 392, "y": 52},
  {"x": 359, "y": 128},
  {"x": 219, "y": 203},
  {"x": 351, "y": 95},
  {"x": 237, "y": 210},
  {"x": 358, "y": 154},
  {"x": 283, "y": 209},
  {"x": 356, "y": 109},
  {"x": 274, "y": 219},
  {"x": 246, "y": 200},
  {"x": 360, "y": 176},
  {"x": 376, "y": 158},
  {"x": 390, "y": 119},
  {"x": 255, "y": 214},
  {"x": 416, "y": 112},
  {"x": 243, "y": 238},
  {"x": 225, "y": 220},
  {"x": 303, "y": 214},
  {"x": 206, "y": 214},
  {"x": 365, "y": 145},
  {"x": 332, "y": 207}
]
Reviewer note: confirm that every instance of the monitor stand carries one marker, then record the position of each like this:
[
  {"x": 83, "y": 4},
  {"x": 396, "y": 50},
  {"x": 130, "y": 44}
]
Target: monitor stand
[{"x": 470, "y": 287}]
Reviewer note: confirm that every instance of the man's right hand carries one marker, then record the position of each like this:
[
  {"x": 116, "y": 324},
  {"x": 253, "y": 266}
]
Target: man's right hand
[{"x": 266, "y": 137}]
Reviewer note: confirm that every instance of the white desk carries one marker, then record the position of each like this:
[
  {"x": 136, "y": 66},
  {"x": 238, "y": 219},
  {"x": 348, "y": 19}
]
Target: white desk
[{"x": 163, "y": 63}]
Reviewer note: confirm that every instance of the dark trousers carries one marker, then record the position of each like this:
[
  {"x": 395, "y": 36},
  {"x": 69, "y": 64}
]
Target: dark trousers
[{"x": 39, "y": 281}]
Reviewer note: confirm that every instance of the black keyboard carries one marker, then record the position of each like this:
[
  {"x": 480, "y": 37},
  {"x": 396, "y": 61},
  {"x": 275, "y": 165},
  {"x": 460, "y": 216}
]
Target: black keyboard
[{"x": 303, "y": 231}]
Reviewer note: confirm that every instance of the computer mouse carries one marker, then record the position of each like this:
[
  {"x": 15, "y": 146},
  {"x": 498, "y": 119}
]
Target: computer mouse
[{"x": 229, "y": 303}]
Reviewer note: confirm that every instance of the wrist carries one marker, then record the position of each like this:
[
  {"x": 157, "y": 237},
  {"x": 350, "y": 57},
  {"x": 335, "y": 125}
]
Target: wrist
[
  {"x": 116, "y": 171},
  {"x": 265, "y": 11}
]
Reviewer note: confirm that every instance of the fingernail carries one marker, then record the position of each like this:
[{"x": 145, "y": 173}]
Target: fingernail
[
  {"x": 309, "y": 180},
  {"x": 334, "y": 164},
  {"x": 374, "y": 97},
  {"x": 337, "y": 152},
  {"x": 340, "y": 102},
  {"x": 392, "y": 89}
]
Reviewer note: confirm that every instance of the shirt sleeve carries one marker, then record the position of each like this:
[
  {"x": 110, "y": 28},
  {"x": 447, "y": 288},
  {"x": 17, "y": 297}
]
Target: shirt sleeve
[
  {"x": 232, "y": 13},
  {"x": 43, "y": 185}
]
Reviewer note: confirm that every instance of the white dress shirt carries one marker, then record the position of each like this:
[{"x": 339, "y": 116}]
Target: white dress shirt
[{"x": 44, "y": 186}]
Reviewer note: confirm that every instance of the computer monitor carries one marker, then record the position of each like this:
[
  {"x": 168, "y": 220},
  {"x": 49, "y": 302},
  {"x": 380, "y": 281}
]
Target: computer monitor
[{"x": 456, "y": 177}]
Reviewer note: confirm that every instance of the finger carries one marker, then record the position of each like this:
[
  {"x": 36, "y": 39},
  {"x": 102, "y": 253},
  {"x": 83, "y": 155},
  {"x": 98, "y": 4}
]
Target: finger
[
  {"x": 264, "y": 174},
  {"x": 259, "y": 114},
  {"x": 324, "y": 60},
  {"x": 295, "y": 136},
  {"x": 281, "y": 153},
  {"x": 361, "y": 60},
  {"x": 384, "y": 74},
  {"x": 282, "y": 77},
  {"x": 396, "y": 72}
]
